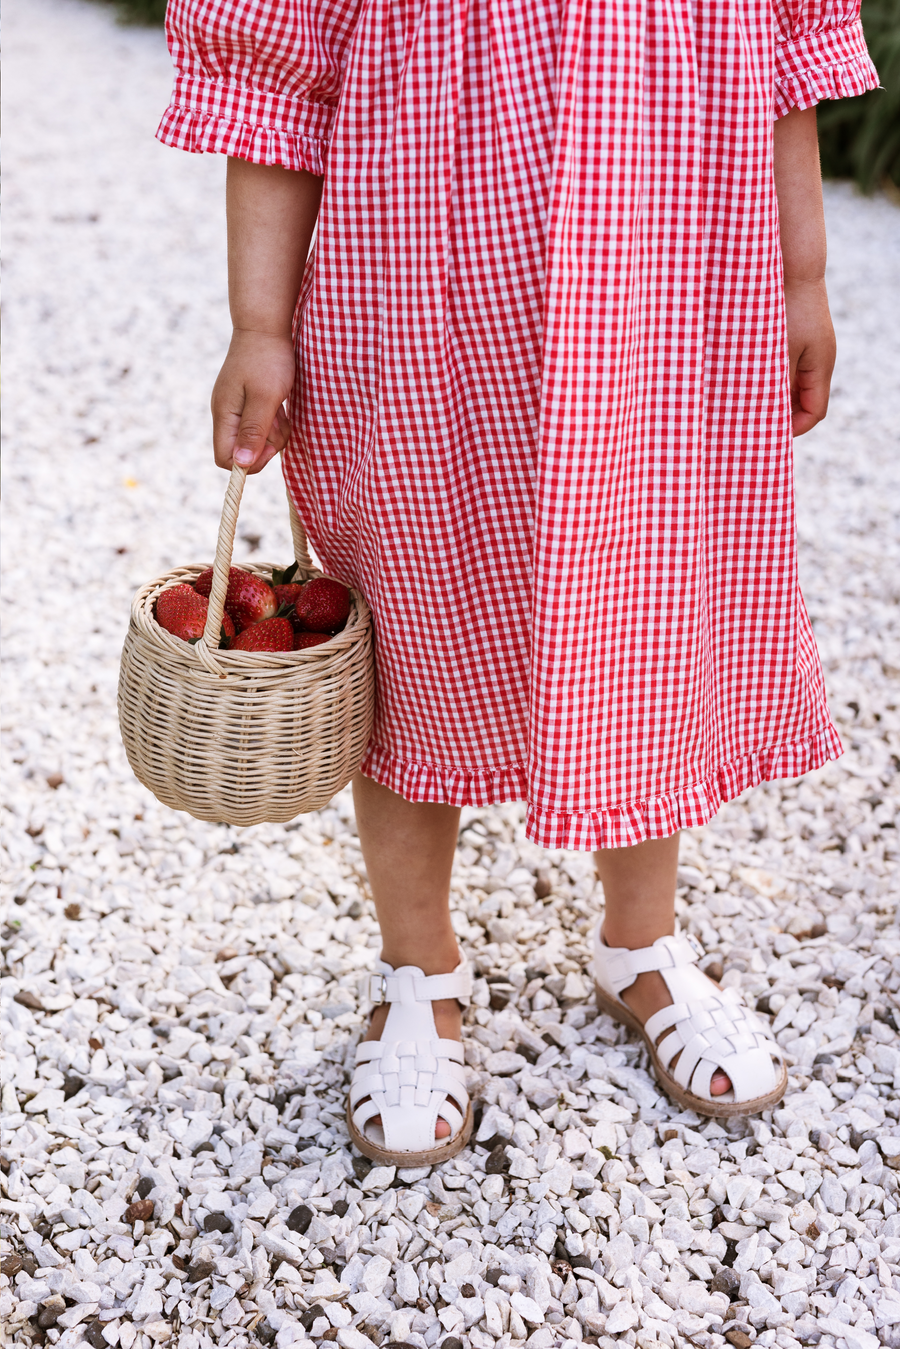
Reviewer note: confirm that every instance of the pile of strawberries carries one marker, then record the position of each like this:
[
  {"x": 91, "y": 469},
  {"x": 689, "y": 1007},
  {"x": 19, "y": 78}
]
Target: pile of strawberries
[{"x": 258, "y": 616}]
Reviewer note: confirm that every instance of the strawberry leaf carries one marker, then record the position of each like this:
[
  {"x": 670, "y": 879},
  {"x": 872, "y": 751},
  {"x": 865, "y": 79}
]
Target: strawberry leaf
[
  {"x": 285, "y": 610},
  {"x": 224, "y": 640},
  {"x": 282, "y": 576},
  {"x": 194, "y": 640}
]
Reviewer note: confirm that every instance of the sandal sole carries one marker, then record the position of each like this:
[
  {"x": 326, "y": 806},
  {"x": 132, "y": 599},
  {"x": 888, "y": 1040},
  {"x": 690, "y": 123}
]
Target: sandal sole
[
  {"x": 429, "y": 1157},
  {"x": 687, "y": 1099}
]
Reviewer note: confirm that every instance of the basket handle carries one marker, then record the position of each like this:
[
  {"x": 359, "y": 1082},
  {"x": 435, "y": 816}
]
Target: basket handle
[{"x": 222, "y": 565}]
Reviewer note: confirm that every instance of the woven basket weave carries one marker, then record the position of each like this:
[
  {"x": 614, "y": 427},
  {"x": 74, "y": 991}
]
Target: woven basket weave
[{"x": 242, "y": 737}]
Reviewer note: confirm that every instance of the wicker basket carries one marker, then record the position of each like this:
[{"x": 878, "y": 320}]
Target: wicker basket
[{"x": 243, "y": 737}]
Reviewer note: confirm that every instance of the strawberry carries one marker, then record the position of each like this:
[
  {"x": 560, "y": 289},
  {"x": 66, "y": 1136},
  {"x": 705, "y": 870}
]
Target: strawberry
[
  {"x": 287, "y": 595},
  {"x": 323, "y": 606},
  {"x": 203, "y": 583},
  {"x": 302, "y": 640},
  {"x": 181, "y": 611},
  {"x": 271, "y": 634},
  {"x": 249, "y": 598}
]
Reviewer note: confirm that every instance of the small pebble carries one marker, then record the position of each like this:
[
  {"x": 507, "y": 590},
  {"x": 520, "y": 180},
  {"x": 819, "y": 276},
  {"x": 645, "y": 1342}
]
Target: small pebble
[
  {"x": 141, "y": 1211},
  {"x": 498, "y": 1161},
  {"x": 217, "y": 1222},
  {"x": 199, "y": 1270}
]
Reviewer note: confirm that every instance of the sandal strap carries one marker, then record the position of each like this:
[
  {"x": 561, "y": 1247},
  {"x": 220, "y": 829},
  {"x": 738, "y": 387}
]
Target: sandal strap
[
  {"x": 706, "y": 1026},
  {"x": 618, "y": 967},
  {"x": 426, "y": 1053},
  {"x": 411, "y": 1077},
  {"x": 390, "y": 987},
  {"x": 715, "y": 1032}
]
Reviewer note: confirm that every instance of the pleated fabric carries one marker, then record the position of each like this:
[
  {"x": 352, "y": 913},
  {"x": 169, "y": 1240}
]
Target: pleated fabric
[{"x": 541, "y": 415}]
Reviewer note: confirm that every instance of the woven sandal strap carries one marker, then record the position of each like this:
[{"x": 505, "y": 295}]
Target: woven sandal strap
[
  {"x": 623, "y": 966},
  {"x": 381, "y": 988}
]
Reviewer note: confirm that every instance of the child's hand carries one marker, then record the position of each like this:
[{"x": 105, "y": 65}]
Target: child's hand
[
  {"x": 249, "y": 422},
  {"x": 811, "y": 345},
  {"x": 801, "y": 222}
]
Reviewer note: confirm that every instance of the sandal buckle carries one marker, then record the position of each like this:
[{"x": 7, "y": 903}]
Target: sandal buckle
[
  {"x": 377, "y": 989},
  {"x": 694, "y": 944}
]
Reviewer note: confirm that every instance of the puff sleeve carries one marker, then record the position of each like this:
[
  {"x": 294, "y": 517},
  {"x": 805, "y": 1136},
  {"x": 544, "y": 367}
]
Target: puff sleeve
[
  {"x": 820, "y": 53},
  {"x": 257, "y": 79}
]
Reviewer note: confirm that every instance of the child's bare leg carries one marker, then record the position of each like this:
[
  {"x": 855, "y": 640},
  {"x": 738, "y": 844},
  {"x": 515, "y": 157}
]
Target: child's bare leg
[
  {"x": 639, "y": 888},
  {"x": 408, "y": 849}
]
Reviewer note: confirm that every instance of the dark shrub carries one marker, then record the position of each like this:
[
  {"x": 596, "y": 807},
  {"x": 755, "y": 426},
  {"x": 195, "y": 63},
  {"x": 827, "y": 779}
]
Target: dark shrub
[{"x": 859, "y": 138}]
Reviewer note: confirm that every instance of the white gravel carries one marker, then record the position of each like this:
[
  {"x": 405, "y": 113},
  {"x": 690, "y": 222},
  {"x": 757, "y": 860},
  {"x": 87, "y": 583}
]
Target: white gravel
[{"x": 179, "y": 999}]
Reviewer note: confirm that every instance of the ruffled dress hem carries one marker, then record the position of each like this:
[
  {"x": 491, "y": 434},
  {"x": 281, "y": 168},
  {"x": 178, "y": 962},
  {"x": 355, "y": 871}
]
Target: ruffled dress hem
[
  {"x": 619, "y": 827},
  {"x": 208, "y": 117},
  {"x": 833, "y": 63}
]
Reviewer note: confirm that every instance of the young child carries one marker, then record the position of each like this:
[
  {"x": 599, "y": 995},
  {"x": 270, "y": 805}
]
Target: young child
[{"x": 564, "y": 311}]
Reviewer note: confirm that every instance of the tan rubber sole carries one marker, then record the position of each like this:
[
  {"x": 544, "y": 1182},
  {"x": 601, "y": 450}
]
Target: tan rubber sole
[
  {"x": 687, "y": 1099},
  {"x": 430, "y": 1157}
]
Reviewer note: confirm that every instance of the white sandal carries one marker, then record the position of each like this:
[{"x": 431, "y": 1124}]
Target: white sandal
[
  {"x": 710, "y": 1027},
  {"x": 410, "y": 1077}
]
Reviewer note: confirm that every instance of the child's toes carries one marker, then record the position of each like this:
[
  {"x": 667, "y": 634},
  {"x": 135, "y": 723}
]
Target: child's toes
[{"x": 720, "y": 1083}]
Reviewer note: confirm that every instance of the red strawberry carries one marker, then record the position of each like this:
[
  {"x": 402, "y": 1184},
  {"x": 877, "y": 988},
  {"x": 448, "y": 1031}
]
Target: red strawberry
[
  {"x": 181, "y": 611},
  {"x": 323, "y": 606},
  {"x": 203, "y": 583},
  {"x": 271, "y": 634},
  {"x": 249, "y": 598},
  {"x": 287, "y": 594},
  {"x": 302, "y": 640}
]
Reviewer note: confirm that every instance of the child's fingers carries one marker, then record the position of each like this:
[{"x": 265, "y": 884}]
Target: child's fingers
[
  {"x": 225, "y": 429},
  {"x": 812, "y": 350},
  {"x": 249, "y": 423},
  {"x": 281, "y": 433},
  {"x": 252, "y": 449},
  {"x": 809, "y": 395}
]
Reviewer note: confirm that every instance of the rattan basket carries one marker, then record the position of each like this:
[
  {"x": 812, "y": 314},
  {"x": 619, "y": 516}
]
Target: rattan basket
[{"x": 243, "y": 737}]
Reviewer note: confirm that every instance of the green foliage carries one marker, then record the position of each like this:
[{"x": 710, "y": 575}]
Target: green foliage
[
  {"x": 859, "y": 138},
  {"x": 144, "y": 12}
]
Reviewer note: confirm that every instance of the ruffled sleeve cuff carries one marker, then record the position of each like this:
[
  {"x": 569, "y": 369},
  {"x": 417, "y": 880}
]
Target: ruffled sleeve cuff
[
  {"x": 833, "y": 63},
  {"x": 208, "y": 117}
]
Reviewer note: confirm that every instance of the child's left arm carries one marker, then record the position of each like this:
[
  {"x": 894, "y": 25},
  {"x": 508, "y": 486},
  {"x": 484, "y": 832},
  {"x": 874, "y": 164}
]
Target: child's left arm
[
  {"x": 811, "y": 343},
  {"x": 820, "y": 53}
]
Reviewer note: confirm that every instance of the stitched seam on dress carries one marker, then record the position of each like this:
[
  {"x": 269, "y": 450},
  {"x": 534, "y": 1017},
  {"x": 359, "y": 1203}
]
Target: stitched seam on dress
[
  {"x": 206, "y": 82},
  {"x": 442, "y": 768},
  {"x": 624, "y": 805},
  {"x": 821, "y": 70},
  {"x": 224, "y": 119},
  {"x": 698, "y": 783},
  {"x": 816, "y": 32}
]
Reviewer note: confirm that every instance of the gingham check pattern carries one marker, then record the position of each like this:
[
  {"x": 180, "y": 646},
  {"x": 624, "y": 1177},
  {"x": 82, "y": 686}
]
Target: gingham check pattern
[{"x": 541, "y": 416}]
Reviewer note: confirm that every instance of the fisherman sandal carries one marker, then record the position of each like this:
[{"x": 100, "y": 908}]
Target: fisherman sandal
[
  {"x": 410, "y": 1077},
  {"x": 708, "y": 1027}
]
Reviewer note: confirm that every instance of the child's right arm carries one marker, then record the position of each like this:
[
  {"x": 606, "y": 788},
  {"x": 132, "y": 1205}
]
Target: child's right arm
[{"x": 271, "y": 214}]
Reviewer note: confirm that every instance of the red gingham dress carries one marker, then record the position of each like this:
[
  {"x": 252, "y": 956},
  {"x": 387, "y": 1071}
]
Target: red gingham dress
[{"x": 541, "y": 416}]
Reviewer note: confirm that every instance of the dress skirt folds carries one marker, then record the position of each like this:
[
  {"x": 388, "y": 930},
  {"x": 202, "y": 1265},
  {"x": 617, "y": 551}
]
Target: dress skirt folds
[{"x": 541, "y": 416}]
